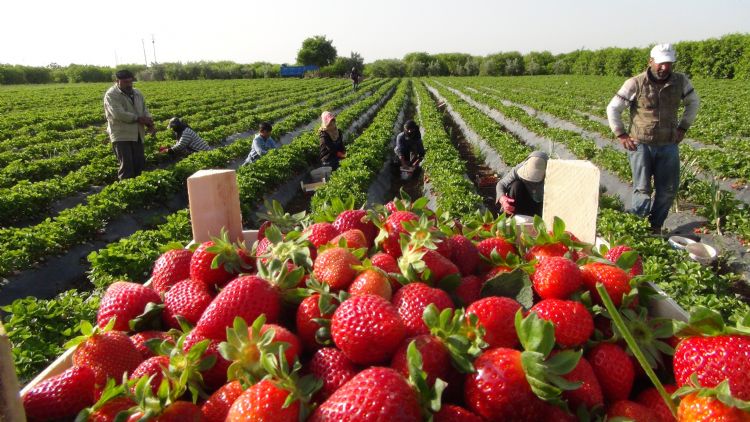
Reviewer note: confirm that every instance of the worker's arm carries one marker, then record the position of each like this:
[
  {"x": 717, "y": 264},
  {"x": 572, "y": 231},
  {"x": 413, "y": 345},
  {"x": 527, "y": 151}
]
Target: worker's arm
[
  {"x": 692, "y": 105},
  {"x": 620, "y": 102}
]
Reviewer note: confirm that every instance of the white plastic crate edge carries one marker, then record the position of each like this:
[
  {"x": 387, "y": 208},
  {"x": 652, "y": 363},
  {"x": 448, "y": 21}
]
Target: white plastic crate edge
[{"x": 65, "y": 360}]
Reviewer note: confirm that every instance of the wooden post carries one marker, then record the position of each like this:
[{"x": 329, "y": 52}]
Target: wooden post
[
  {"x": 214, "y": 204},
  {"x": 11, "y": 407},
  {"x": 571, "y": 192}
]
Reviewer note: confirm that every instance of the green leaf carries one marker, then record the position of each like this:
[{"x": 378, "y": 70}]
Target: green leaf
[{"x": 515, "y": 285}]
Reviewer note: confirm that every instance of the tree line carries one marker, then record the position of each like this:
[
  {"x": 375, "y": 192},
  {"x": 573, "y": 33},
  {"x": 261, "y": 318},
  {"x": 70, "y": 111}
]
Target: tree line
[{"x": 727, "y": 57}]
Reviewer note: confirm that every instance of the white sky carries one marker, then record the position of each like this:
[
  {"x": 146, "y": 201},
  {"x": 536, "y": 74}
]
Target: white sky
[{"x": 34, "y": 32}]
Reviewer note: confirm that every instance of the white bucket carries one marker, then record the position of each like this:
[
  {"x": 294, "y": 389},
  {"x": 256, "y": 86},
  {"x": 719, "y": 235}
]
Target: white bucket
[{"x": 701, "y": 253}]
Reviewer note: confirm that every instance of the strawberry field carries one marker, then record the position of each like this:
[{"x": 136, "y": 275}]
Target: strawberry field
[{"x": 341, "y": 294}]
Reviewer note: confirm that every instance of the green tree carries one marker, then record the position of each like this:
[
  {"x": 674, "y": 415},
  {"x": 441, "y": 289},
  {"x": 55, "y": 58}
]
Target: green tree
[{"x": 317, "y": 51}]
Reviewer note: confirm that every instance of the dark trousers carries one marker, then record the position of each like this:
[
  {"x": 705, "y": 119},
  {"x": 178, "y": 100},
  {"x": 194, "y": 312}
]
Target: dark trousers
[
  {"x": 131, "y": 157},
  {"x": 524, "y": 204}
]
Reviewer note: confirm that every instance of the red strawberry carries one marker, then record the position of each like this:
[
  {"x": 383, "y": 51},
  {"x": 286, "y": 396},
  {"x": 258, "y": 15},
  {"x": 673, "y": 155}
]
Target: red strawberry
[
  {"x": 375, "y": 394},
  {"x": 307, "y": 312},
  {"x": 652, "y": 400},
  {"x": 216, "y": 408},
  {"x": 496, "y": 314},
  {"x": 262, "y": 229},
  {"x": 556, "y": 278},
  {"x": 171, "y": 267},
  {"x": 367, "y": 328},
  {"x": 573, "y": 322},
  {"x": 589, "y": 394},
  {"x": 124, "y": 300},
  {"x": 334, "y": 267},
  {"x": 613, "y": 369},
  {"x": 215, "y": 376},
  {"x": 179, "y": 411},
  {"x": 156, "y": 366},
  {"x": 108, "y": 412},
  {"x": 109, "y": 355},
  {"x": 436, "y": 360},
  {"x": 371, "y": 281},
  {"x": 444, "y": 245},
  {"x": 62, "y": 396},
  {"x": 453, "y": 413},
  {"x": 615, "y": 281},
  {"x": 188, "y": 299},
  {"x": 496, "y": 271},
  {"x": 411, "y": 301},
  {"x": 469, "y": 290},
  {"x": 264, "y": 401},
  {"x": 331, "y": 366},
  {"x": 547, "y": 250},
  {"x": 439, "y": 266},
  {"x": 630, "y": 410},
  {"x": 354, "y": 239},
  {"x": 614, "y": 253},
  {"x": 263, "y": 248},
  {"x": 282, "y": 335},
  {"x": 356, "y": 219},
  {"x": 498, "y": 390},
  {"x": 713, "y": 360},
  {"x": 139, "y": 340},
  {"x": 215, "y": 262},
  {"x": 388, "y": 264},
  {"x": 465, "y": 254},
  {"x": 246, "y": 297},
  {"x": 392, "y": 230},
  {"x": 694, "y": 408},
  {"x": 499, "y": 244}
]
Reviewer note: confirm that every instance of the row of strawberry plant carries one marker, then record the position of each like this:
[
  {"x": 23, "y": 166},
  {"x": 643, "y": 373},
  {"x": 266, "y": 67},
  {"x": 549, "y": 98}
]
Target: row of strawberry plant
[
  {"x": 442, "y": 163},
  {"x": 364, "y": 157}
]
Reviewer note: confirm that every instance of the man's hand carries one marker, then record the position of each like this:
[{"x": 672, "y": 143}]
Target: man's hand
[
  {"x": 145, "y": 120},
  {"x": 680, "y": 135},
  {"x": 627, "y": 142},
  {"x": 506, "y": 203}
]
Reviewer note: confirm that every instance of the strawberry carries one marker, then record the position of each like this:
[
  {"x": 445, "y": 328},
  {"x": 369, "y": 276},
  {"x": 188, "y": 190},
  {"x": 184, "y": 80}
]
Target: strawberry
[
  {"x": 537, "y": 252},
  {"x": 263, "y": 401},
  {"x": 614, "y": 253},
  {"x": 109, "y": 354},
  {"x": 334, "y": 267},
  {"x": 156, "y": 366},
  {"x": 496, "y": 244},
  {"x": 556, "y": 278},
  {"x": 714, "y": 359},
  {"x": 320, "y": 233},
  {"x": 468, "y": 291},
  {"x": 693, "y": 408},
  {"x": 353, "y": 238},
  {"x": 615, "y": 280},
  {"x": 331, "y": 366},
  {"x": 215, "y": 376},
  {"x": 415, "y": 261},
  {"x": 573, "y": 322},
  {"x": 465, "y": 254},
  {"x": 282, "y": 335},
  {"x": 496, "y": 315},
  {"x": 172, "y": 266},
  {"x": 367, "y": 328},
  {"x": 124, "y": 301},
  {"x": 188, "y": 299},
  {"x": 439, "y": 266},
  {"x": 307, "y": 326},
  {"x": 613, "y": 369},
  {"x": 246, "y": 297},
  {"x": 215, "y": 262},
  {"x": 391, "y": 232},
  {"x": 436, "y": 361},
  {"x": 262, "y": 229},
  {"x": 108, "y": 411},
  {"x": 371, "y": 281},
  {"x": 453, "y": 413},
  {"x": 140, "y": 339},
  {"x": 217, "y": 406},
  {"x": 389, "y": 265},
  {"x": 61, "y": 397},
  {"x": 630, "y": 410},
  {"x": 589, "y": 394},
  {"x": 178, "y": 411},
  {"x": 412, "y": 299},
  {"x": 356, "y": 219},
  {"x": 651, "y": 399},
  {"x": 375, "y": 394}
]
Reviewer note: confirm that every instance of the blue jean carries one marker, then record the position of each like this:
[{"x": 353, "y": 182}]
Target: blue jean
[{"x": 662, "y": 163}]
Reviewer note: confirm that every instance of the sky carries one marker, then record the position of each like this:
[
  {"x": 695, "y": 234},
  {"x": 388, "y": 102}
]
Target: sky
[{"x": 106, "y": 33}]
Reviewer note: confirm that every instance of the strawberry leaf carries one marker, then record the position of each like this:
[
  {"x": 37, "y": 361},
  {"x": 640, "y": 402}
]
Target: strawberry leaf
[{"x": 515, "y": 285}]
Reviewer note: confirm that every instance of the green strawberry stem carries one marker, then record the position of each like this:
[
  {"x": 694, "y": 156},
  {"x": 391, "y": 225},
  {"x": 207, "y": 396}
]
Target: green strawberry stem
[{"x": 620, "y": 324}]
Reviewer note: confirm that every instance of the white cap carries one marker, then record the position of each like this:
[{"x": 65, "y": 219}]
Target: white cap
[
  {"x": 534, "y": 167},
  {"x": 662, "y": 53}
]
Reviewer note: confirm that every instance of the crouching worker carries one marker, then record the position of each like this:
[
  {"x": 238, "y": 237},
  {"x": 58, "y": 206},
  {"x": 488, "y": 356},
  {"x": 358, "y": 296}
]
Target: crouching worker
[
  {"x": 409, "y": 147},
  {"x": 188, "y": 141},
  {"x": 331, "y": 141},
  {"x": 521, "y": 191},
  {"x": 262, "y": 143}
]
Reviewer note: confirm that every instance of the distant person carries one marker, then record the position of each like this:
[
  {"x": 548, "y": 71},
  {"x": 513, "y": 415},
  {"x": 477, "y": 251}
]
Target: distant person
[
  {"x": 355, "y": 75},
  {"x": 331, "y": 141},
  {"x": 655, "y": 131},
  {"x": 128, "y": 120},
  {"x": 409, "y": 146},
  {"x": 187, "y": 140},
  {"x": 521, "y": 190},
  {"x": 262, "y": 143}
]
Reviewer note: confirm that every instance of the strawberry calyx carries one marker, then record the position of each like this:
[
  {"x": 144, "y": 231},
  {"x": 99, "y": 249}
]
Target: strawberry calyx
[
  {"x": 429, "y": 396},
  {"x": 112, "y": 390},
  {"x": 292, "y": 246},
  {"x": 226, "y": 254},
  {"x": 245, "y": 348},
  {"x": 650, "y": 334},
  {"x": 283, "y": 376},
  {"x": 558, "y": 235},
  {"x": 483, "y": 225},
  {"x": 330, "y": 210},
  {"x": 87, "y": 331},
  {"x": 721, "y": 392},
  {"x": 460, "y": 333},
  {"x": 545, "y": 373},
  {"x": 276, "y": 215},
  {"x": 278, "y": 273}
]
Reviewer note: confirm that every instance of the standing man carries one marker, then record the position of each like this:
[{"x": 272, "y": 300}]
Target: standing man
[
  {"x": 655, "y": 131},
  {"x": 355, "y": 78},
  {"x": 127, "y": 122}
]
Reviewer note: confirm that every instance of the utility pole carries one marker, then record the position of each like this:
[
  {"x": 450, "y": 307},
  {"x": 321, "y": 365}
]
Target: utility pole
[
  {"x": 143, "y": 44},
  {"x": 117, "y": 62},
  {"x": 153, "y": 44}
]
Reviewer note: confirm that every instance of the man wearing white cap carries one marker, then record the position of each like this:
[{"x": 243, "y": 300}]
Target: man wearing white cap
[
  {"x": 521, "y": 190},
  {"x": 655, "y": 131}
]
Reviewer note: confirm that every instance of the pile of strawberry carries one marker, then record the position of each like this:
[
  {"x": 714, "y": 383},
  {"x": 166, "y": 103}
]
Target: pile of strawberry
[{"x": 397, "y": 314}]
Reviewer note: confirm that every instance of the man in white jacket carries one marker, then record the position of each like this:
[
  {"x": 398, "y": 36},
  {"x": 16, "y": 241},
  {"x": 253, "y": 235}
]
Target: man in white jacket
[{"x": 127, "y": 122}]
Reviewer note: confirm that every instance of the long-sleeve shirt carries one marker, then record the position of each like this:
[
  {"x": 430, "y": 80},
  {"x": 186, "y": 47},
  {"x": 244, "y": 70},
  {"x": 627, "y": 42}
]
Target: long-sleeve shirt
[
  {"x": 406, "y": 147},
  {"x": 122, "y": 112},
  {"x": 329, "y": 147},
  {"x": 627, "y": 94},
  {"x": 260, "y": 147},
  {"x": 190, "y": 141}
]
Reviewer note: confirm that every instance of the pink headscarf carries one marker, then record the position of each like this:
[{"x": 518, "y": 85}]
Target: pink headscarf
[{"x": 326, "y": 118}]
